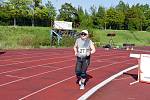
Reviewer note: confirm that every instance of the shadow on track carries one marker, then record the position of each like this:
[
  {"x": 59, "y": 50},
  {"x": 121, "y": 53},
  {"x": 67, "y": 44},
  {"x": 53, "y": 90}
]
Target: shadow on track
[
  {"x": 134, "y": 76},
  {"x": 2, "y": 52},
  {"x": 88, "y": 78}
]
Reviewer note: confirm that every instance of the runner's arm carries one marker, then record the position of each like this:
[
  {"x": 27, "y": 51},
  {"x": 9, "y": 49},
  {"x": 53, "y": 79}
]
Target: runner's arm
[
  {"x": 75, "y": 49},
  {"x": 93, "y": 50}
]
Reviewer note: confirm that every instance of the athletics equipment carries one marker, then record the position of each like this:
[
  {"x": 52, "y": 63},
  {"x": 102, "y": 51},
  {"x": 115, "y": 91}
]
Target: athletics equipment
[{"x": 143, "y": 67}]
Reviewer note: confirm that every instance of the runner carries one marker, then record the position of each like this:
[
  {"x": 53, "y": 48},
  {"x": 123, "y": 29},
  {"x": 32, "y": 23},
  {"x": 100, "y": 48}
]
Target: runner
[{"x": 83, "y": 48}]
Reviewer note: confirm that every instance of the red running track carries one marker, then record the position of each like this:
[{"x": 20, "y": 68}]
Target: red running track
[
  {"x": 48, "y": 74},
  {"x": 120, "y": 89}
]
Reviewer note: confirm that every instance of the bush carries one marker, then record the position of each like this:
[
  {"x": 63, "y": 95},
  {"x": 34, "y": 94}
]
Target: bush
[
  {"x": 3, "y": 23},
  {"x": 25, "y": 40},
  {"x": 29, "y": 41},
  {"x": 67, "y": 41},
  {"x": 45, "y": 41},
  {"x": 36, "y": 42}
]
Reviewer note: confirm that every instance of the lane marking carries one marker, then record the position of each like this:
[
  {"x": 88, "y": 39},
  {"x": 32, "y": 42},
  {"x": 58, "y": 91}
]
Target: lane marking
[
  {"x": 46, "y": 88},
  {"x": 14, "y": 76},
  {"x": 32, "y": 56},
  {"x": 20, "y": 62},
  {"x": 101, "y": 60},
  {"x": 33, "y": 76},
  {"x": 142, "y": 50},
  {"x": 100, "y": 85},
  {"x": 131, "y": 98},
  {"x": 122, "y": 79},
  {"x": 33, "y": 66},
  {"x": 36, "y": 74},
  {"x": 45, "y": 64},
  {"x": 50, "y": 67},
  {"x": 41, "y": 60},
  {"x": 66, "y": 80},
  {"x": 30, "y": 53}
]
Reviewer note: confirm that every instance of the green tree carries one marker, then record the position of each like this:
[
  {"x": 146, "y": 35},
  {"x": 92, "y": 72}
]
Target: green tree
[
  {"x": 93, "y": 16},
  {"x": 80, "y": 16},
  {"x": 67, "y": 12},
  {"x": 123, "y": 8},
  {"x": 18, "y": 8},
  {"x": 37, "y": 3},
  {"x": 145, "y": 15},
  {"x": 51, "y": 11},
  {"x": 87, "y": 21},
  {"x": 101, "y": 15},
  {"x": 135, "y": 18},
  {"x": 114, "y": 18}
]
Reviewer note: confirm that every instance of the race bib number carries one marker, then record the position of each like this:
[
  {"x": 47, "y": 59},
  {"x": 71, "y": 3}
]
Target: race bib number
[{"x": 82, "y": 51}]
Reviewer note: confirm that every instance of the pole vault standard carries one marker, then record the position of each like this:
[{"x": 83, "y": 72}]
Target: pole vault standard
[{"x": 143, "y": 67}]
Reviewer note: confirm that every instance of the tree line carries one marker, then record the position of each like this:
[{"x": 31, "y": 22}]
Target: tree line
[{"x": 34, "y": 13}]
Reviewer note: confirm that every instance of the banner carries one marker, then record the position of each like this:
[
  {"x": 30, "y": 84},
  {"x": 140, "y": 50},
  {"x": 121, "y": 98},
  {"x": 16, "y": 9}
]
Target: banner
[{"x": 63, "y": 25}]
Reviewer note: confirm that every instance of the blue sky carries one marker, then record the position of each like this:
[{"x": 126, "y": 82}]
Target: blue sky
[{"x": 86, "y": 4}]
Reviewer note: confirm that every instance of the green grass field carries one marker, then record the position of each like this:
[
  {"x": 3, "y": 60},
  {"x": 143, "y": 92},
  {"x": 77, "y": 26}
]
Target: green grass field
[
  {"x": 24, "y": 37},
  {"x": 138, "y": 38},
  {"x": 39, "y": 37}
]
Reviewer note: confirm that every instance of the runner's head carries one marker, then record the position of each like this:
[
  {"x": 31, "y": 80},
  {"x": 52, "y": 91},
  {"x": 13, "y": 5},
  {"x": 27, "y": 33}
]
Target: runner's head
[{"x": 84, "y": 34}]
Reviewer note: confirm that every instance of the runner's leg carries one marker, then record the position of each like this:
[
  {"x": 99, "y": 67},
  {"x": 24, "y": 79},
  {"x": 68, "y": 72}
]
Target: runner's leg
[{"x": 78, "y": 69}]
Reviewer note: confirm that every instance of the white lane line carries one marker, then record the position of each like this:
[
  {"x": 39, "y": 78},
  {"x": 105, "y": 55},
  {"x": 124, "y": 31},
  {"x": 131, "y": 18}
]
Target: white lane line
[
  {"x": 131, "y": 98},
  {"x": 46, "y": 64},
  {"x": 66, "y": 80},
  {"x": 31, "y": 53},
  {"x": 142, "y": 50},
  {"x": 37, "y": 74},
  {"x": 34, "y": 76},
  {"x": 20, "y": 62},
  {"x": 101, "y": 60},
  {"x": 46, "y": 87},
  {"x": 100, "y": 85},
  {"x": 122, "y": 79},
  {"x": 34, "y": 56},
  {"x": 48, "y": 59},
  {"x": 34, "y": 66},
  {"x": 14, "y": 76},
  {"x": 49, "y": 72},
  {"x": 50, "y": 67}
]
